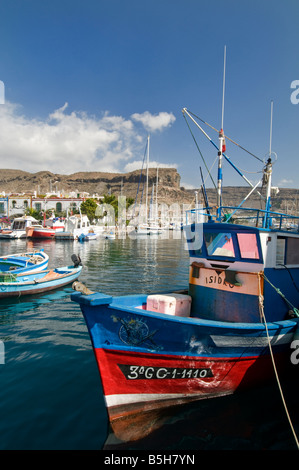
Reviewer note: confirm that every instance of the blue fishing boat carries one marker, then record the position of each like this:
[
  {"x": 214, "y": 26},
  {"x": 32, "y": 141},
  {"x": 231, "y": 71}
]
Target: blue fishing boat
[
  {"x": 233, "y": 327},
  {"x": 16, "y": 285},
  {"x": 27, "y": 262}
]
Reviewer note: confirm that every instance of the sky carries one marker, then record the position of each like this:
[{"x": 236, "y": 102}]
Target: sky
[{"x": 86, "y": 81}]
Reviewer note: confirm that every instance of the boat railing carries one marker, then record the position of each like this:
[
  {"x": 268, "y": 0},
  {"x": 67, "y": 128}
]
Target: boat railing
[{"x": 244, "y": 216}]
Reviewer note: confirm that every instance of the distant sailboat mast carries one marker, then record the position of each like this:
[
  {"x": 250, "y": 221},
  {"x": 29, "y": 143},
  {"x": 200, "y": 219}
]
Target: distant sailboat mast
[{"x": 147, "y": 165}]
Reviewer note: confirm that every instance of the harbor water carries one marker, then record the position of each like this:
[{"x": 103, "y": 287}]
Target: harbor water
[{"x": 51, "y": 396}]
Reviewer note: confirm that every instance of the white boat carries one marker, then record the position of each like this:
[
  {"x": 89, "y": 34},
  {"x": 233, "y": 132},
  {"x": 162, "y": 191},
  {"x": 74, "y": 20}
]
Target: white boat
[
  {"x": 76, "y": 226},
  {"x": 18, "y": 227},
  {"x": 108, "y": 233},
  {"x": 55, "y": 223}
]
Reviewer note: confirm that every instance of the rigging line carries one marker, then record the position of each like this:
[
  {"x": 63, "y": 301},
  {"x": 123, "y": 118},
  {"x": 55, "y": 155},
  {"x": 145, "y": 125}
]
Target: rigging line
[
  {"x": 225, "y": 156},
  {"x": 140, "y": 177},
  {"x": 261, "y": 307},
  {"x": 199, "y": 151},
  {"x": 228, "y": 138}
]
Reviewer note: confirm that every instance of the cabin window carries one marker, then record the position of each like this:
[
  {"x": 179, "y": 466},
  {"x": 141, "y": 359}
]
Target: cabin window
[
  {"x": 292, "y": 255},
  {"x": 248, "y": 245},
  {"x": 219, "y": 244},
  {"x": 280, "y": 251}
]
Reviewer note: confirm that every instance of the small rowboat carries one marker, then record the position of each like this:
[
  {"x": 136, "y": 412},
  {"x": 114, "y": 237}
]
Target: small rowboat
[
  {"x": 31, "y": 261},
  {"x": 39, "y": 282}
]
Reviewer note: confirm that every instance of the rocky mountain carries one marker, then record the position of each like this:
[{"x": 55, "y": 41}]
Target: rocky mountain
[{"x": 169, "y": 189}]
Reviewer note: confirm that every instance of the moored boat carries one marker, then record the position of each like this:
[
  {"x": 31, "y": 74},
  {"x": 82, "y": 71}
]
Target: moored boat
[
  {"x": 38, "y": 231},
  {"x": 16, "y": 285},
  {"x": 231, "y": 329},
  {"x": 18, "y": 228},
  {"x": 27, "y": 262},
  {"x": 239, "y": 311},
  {"x": 77, "y": 226}
]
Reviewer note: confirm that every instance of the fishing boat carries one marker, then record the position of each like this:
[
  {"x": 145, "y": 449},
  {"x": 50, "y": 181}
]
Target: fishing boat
[
  {"x": 18, "y": 228},
  {"x": 231, "y": 329},
  {"x": 40, "y": 231},
  {"x": 26, "y": 262},
  {"x": 218, "y": 337},
  {"x": 16, "y": 285}
]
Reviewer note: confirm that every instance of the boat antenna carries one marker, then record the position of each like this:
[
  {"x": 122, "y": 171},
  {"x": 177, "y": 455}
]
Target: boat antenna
[
  {"x": 221, "y": 141},
  {"x": 267, "y": 177}
]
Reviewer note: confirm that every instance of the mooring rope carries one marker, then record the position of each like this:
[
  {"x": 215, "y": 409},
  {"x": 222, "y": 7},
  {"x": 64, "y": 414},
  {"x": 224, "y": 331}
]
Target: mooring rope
[{"x": 262, "y": 313}]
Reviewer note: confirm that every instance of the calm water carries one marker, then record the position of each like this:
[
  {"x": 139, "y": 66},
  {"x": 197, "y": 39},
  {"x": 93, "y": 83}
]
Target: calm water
[{"x": 50, "y": 394}]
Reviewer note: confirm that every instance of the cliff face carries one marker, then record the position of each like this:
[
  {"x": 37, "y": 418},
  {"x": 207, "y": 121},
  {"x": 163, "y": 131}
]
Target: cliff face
[
  {"x": 17, "y": 181},
  {"x": 169, "y": 190}
]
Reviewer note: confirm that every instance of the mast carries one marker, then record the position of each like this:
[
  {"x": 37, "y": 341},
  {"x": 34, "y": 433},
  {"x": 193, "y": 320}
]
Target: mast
[
  {"x": 157, "y": 195},
  {"x": 221, "y": 143},
  {"x": 147, "y": 165},
  {"x": 267, "y": 178}
]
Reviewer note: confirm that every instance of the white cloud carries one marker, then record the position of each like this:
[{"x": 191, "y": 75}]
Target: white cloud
[
  {"x": 66, "y": 142},
  {"x": 285, "y": 182},
  {"x": 187, "y": 185},
  {"x": 156, "y": 122},
  {"x": 137, "y": 165}
]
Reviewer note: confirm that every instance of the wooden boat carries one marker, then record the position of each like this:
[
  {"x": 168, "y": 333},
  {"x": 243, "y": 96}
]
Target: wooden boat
[
  {"x": 39, "y": 282},
  {"x": 234, "y": 326},
  {"x": 27, "y": 262},
  {"x": 239, "y": 311}
]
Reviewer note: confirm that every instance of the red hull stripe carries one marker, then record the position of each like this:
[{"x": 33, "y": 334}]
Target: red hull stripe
[{"x": 129, "y": 378}]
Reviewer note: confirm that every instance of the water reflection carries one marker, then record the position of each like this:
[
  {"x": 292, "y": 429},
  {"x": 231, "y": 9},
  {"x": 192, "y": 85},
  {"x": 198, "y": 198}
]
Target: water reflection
[{"x": 253, "y": 419}]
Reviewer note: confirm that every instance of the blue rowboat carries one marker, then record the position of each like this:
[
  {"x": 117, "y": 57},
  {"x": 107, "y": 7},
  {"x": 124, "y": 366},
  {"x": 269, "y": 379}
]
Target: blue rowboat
[
  {"x": 39, "y": 282},
  {"x": 234, "y": 327},
  {"x": 28, "y": 262}
]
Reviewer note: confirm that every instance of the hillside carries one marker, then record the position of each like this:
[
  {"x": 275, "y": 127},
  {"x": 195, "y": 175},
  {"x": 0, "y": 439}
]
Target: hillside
[{"x": 169, "y": 189}]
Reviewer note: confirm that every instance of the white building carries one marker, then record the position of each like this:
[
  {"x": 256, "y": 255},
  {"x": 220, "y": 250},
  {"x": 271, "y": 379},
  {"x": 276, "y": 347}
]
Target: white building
[{"x": 13, "y": 205}]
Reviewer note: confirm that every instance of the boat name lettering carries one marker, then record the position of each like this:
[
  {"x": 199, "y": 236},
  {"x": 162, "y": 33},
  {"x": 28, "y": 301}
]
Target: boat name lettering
[
  {"x": 218, "y": 280},
  {"x": 133, "y": 372}
]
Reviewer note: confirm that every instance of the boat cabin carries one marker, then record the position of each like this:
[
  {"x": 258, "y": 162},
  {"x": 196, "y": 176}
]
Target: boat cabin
[{"x": 231, "y": 266}]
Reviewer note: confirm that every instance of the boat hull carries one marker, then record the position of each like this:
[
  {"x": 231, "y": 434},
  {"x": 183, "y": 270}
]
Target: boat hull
[
  {"x": 40, "y": 233},
  {"x": 43, "y": 281},
  {"x": 29, "y": 262},
  {"x": 149, "y": 361}
]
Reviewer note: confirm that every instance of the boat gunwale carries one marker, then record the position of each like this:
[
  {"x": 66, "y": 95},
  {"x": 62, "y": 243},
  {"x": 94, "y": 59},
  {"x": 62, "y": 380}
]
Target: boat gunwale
[{"x": 116, "y": 304}]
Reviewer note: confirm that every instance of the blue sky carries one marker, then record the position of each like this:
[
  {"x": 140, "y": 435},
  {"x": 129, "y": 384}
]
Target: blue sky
[{"x": 87, "y": 80}]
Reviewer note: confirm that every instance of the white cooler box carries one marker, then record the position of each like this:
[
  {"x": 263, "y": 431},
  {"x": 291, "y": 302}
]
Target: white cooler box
[{"x": 173, "y": 304}]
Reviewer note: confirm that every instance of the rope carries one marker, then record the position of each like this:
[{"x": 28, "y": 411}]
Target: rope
[
  {"x": 238, "y": 145},
  {"x": 262, "y": 313},
  {"x": 295, "y": 310},
  {"x": 200, "y": 152}
]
